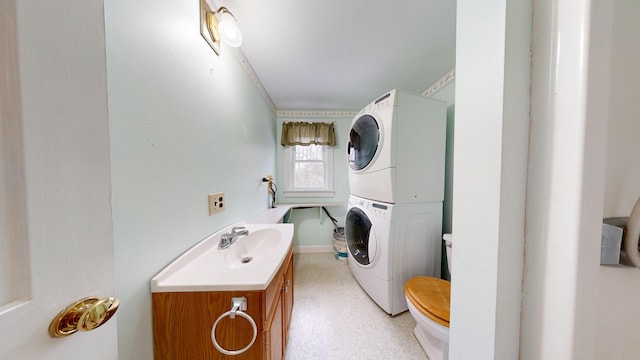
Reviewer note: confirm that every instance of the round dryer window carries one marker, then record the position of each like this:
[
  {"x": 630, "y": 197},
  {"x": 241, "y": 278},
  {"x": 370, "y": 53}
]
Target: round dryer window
[
  {"x": 363, "y": 142},
  {"x": 360, "y": 237}
]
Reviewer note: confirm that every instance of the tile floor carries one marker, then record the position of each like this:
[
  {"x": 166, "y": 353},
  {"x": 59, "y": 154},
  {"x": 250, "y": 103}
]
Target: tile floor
[{"x": 333, "y": 318}]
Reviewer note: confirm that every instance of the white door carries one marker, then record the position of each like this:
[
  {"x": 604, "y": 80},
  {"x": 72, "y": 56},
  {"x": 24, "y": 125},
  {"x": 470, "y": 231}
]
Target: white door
[{"x": 56, "y": 243}]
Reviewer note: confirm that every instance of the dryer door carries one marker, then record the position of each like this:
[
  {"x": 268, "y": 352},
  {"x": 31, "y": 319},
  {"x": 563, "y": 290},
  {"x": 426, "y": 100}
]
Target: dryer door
[
  {"x": 363, "y": 142},
  {"x": 360, "y": 237}
]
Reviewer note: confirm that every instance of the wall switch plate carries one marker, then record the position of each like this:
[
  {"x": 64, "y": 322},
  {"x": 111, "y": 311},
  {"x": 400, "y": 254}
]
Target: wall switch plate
[{"x": 216, "y": 203}]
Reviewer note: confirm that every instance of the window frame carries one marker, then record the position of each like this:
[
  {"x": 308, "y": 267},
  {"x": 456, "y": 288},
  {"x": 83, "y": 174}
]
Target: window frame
[{"x": 289, "y": 165}]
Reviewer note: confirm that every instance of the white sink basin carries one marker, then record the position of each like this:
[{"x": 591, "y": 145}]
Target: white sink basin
[
  {"x": 250, "y": 263},
  {"x": 253, "y": 248}
]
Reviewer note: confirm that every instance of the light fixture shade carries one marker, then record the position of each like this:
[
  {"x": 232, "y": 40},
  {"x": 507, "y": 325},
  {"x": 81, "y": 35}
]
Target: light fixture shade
[{"x": 229, "y": 30}]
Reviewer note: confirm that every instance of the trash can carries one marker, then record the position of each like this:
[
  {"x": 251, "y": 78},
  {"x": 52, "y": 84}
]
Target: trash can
[{"x": 339, "y": 244}]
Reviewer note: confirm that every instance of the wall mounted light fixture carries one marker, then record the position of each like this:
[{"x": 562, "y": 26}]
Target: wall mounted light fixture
[{"x": 219, "y": 25}]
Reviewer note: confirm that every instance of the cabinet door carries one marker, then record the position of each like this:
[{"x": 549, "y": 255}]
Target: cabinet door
[
  {"x": 288, "y": 299},
  {"x": 276, "y": 346},
  {"x": 182, "y": 324}
]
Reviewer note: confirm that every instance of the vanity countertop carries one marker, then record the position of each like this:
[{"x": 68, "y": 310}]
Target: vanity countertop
[{"x": 275, "y": 215}]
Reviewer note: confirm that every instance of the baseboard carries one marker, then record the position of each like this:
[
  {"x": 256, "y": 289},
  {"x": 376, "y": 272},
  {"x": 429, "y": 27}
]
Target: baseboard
[{"x": 308, "y": 249}]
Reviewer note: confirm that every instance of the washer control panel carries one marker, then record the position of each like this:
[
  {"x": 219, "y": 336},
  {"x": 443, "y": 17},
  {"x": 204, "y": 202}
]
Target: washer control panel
[
  {"x": 373, "y": 209},
  {"x": 378, "y": 210}
]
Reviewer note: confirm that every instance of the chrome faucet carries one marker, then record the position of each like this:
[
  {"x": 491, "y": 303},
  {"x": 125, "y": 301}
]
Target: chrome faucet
[{"x": 228, "y": 239}]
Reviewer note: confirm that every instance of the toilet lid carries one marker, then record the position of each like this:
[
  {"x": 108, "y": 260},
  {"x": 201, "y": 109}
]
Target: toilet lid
[{"x": 431, "y": 296}]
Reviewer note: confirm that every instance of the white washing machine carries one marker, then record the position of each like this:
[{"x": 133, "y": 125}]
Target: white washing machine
[
  {"x": 396, "y": 149},
  {"x": 389, "y": 244}
]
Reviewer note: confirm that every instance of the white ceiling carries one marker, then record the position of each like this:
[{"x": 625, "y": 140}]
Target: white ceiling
[{"x": 342, "y": 54}]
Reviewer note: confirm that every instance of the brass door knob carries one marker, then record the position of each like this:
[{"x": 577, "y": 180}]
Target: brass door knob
[{"x": 83, "y": 315}]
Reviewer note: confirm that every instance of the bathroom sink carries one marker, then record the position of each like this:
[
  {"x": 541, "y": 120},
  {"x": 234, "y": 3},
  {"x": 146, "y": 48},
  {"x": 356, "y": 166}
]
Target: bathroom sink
[
  {"x": 253, "y": 248},
  {"x": 250, "y": 263}
]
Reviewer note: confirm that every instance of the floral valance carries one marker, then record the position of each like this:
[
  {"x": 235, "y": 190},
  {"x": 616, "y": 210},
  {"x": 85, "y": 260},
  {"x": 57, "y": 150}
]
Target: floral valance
[{"x": 308, "y": 133}]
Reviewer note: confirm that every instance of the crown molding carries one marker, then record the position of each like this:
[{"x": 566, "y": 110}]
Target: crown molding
[
  {"x": 254, "y": 78},
  {"x": 316, "y": 114},
  {"x": 445, "y": 80}
]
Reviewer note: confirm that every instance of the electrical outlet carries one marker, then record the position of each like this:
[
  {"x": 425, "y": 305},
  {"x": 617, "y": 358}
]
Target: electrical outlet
[{"x": 216, "y": 203}]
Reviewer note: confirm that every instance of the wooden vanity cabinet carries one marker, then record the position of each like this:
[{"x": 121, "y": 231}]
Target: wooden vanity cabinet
[{"x": 182, "y": 321}]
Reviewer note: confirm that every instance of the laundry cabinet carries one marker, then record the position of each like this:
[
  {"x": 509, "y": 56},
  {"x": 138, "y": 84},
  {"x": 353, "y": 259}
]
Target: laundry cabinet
[{"x": 183, "y": 321}]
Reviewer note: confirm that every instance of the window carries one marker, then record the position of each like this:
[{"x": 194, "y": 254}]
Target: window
[
  {"x": 308, "y": 159},
  {"x": 308, "y": 171}
]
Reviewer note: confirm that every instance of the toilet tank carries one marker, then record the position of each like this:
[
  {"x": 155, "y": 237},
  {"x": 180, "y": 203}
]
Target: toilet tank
[{"x": 447, "y": 243}]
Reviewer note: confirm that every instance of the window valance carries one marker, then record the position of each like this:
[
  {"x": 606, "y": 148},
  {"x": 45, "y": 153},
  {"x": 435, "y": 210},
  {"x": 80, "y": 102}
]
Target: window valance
[{"x": 308, "y": 133}]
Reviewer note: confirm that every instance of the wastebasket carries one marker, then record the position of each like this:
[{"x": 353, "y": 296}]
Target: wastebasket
[{"x": 339, "y": 244}]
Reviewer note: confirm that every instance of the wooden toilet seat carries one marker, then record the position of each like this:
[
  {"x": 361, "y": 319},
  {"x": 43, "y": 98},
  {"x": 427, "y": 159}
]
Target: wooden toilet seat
[{"x": 431, "y": 296}]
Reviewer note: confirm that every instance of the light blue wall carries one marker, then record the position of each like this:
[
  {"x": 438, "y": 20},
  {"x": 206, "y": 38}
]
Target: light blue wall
[
  {"x": 316, "y": 228},
  {"x": 184, "y": 123}
]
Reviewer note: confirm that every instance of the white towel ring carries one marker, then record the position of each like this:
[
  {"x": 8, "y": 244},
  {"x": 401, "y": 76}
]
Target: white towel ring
[{"x": 231, "y": 314}]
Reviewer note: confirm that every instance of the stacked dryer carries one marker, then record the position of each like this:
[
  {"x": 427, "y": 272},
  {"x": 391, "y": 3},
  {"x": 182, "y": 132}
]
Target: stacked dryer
[{"x": 393, "y": 227}]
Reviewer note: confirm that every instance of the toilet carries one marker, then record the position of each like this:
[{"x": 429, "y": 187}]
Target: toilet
[{"x": 428, "y": 299}]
